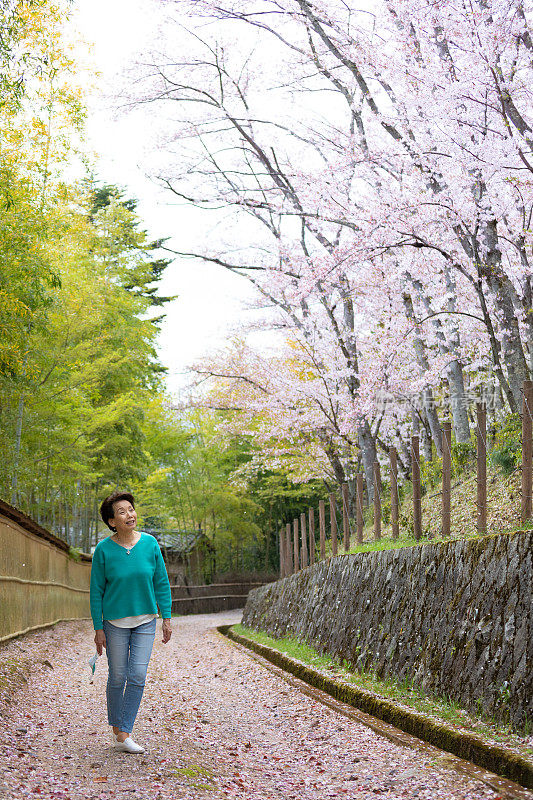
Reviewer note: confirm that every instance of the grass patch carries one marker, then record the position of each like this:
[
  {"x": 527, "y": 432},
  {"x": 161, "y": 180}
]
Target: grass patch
[
  {"x": 404, "y": 693},
  {"x": 192, "y": 772},
  {"x": 199, "y": 778},
  {"x": 371, "y": 545},
  {"x": 13, "y": 673}
]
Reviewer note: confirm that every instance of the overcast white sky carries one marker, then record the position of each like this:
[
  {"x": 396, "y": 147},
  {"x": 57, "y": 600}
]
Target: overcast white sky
[{"x": 211, "y": 301}]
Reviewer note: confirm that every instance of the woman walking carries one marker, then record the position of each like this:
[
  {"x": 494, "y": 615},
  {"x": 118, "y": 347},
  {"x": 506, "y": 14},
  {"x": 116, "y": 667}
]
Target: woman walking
[{"x": 128, "y": 582}]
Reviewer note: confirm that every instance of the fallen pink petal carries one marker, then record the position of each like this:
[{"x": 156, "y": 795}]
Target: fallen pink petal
[{"x": 229, "y": 730}]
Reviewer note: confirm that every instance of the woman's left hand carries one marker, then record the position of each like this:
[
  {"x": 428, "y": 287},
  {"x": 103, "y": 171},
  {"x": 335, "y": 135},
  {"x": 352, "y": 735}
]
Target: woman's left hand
[{"x": 167, "y": 631}]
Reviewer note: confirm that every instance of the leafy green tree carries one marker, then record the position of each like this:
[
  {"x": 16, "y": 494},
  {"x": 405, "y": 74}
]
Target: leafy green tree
[
  {"x": 19, "y": 60},
  {"x": 203, "y": 475},
  {"x": 90, "y": 368}
]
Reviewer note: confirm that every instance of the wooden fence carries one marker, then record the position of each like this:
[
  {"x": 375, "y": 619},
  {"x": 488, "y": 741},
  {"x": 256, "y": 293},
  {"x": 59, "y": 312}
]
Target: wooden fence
[
  {"x": 297, "y": 548},
  {"x": 39, "y": 583},
  {"x": 211, "y": 598}
]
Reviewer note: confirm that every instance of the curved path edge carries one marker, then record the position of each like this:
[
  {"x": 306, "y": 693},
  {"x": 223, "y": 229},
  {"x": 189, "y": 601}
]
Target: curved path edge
[{"x": 504, "y": 771}]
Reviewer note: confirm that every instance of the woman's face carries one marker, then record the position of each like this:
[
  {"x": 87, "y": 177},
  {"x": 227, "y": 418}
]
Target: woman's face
[{"x": 125, "y": 518}]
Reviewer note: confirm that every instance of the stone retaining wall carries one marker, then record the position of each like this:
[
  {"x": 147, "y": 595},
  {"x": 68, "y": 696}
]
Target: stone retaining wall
[{"x": 455, "y": 618}]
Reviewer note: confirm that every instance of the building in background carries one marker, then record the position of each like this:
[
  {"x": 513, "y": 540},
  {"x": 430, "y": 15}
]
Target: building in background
[{"x": 189, "y": 556}]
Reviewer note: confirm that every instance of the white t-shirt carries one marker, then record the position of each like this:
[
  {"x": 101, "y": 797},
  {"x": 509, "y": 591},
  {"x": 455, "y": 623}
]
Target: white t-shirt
[{"x": 132, "y": 622}]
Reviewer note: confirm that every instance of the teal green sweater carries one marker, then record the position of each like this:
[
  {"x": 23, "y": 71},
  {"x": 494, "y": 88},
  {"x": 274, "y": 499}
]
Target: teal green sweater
[{"x": 125, "y": 585}]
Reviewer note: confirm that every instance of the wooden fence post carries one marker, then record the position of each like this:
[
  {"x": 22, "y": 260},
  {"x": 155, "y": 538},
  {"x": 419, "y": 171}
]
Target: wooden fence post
[
  {"x": 312, "y": 544},
  {"x": 333, "y": 523},
  {"x": 527, "y": 450},
  {"x": 481, "y": 435},
  {"x": 394, "y": 504},
  {"x": 446, "y": 478},
  {"x": 377, "y": 501},
  {"x": 359, "y": 491},
  {"x": 288, "y": 546},
  {"x": 345, "y": 518},
  {"x": 296, "y": 545},
  {"x": 303, "y": 533},
  {"x": 417, "y": 497},
  {"x": 322, "y": 528},
  {"x": 282, "y": 555}
]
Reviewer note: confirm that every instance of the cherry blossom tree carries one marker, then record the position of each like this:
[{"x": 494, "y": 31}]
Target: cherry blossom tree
[{"x": 377, "y": 167}]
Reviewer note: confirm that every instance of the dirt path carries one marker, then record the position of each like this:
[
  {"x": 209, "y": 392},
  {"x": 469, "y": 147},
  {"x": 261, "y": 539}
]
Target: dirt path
[{"x": 215, "y": 724}]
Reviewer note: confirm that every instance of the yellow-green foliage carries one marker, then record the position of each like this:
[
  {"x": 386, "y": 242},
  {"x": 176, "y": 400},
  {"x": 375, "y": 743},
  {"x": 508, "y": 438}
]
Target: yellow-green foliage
[{"x": 507, "y": 451}]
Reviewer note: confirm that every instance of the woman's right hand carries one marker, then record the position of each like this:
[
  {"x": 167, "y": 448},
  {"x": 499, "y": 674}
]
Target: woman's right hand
[{"x": 99, "y": 640}]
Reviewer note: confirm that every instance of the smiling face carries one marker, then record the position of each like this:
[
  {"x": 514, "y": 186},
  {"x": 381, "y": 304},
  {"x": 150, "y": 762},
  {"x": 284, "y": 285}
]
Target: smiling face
[{"x": 125, "y": 517}]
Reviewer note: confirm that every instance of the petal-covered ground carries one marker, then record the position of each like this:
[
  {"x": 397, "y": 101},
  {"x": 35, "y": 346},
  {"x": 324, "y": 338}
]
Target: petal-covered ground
[{"x": 214, "y": 722}]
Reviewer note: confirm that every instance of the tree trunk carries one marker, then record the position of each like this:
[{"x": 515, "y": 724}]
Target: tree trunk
[
  {"x": 367, "y": 446},
  {"x": 454, "y": 370},
  {"x": 512, "y": 350},
  {"x": 423, "y": 363},
  {"x": 425, "y": 439},
  {"x": 458, "y": 402},
  {"x": 528, "y": 307},
  {"x": 430, "y": 410},
  {"x": 268, "y": 535},
  {"x": 16, "y": 458},
  {"x": 333, "y": 458},
  {"x": 488, "y": 257}
]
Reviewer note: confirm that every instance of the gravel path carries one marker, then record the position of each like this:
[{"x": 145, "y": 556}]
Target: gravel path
[{"x": 214, "y": 722}]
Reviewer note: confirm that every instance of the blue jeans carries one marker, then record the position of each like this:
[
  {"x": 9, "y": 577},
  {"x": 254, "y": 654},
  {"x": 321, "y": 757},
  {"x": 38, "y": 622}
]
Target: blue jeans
[{"x": 128, "y": 653}]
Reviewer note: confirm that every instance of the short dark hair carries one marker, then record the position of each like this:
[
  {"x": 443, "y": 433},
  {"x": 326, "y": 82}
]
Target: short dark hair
[{"x": 106, "y": 509}]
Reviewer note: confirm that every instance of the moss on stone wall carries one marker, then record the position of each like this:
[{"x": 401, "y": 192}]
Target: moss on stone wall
[
  {"x": 455, "y": 618},
  {"x": 466, "y": 745}
]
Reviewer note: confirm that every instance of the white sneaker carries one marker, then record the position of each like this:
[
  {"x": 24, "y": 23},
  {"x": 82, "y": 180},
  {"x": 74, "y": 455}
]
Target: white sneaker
[{"x": 128, "y": 746}]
